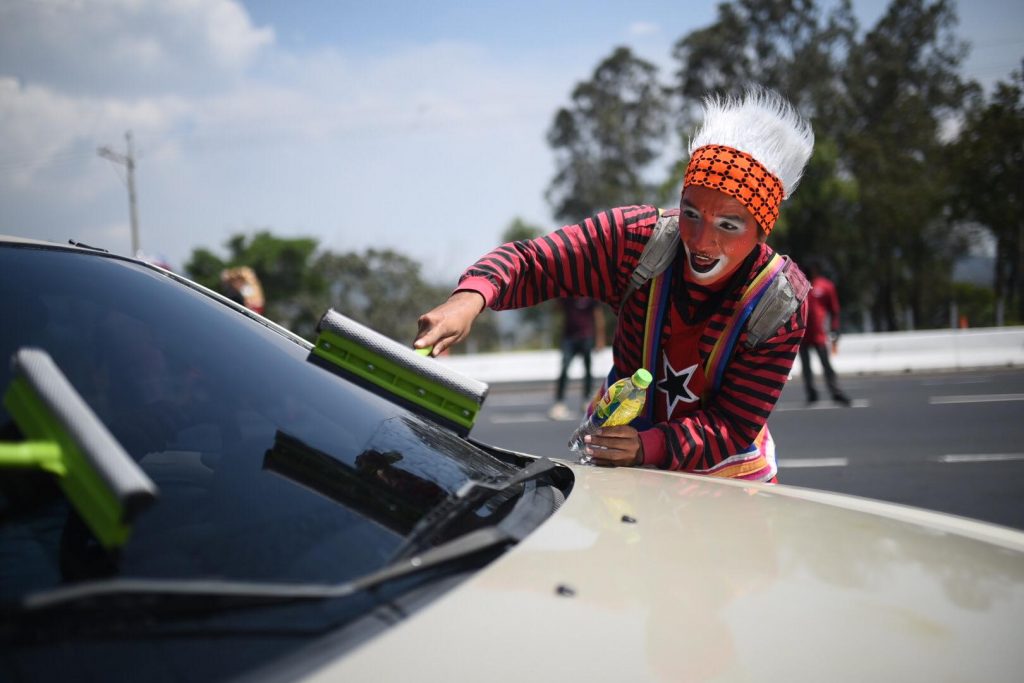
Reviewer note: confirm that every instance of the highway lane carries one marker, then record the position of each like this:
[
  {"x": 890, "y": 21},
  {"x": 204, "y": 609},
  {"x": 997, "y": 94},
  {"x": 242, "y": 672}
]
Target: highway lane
[{"x": 952, "y": 442}]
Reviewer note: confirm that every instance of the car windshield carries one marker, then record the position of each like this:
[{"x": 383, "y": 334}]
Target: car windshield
[{"x": 269, "y": 468}]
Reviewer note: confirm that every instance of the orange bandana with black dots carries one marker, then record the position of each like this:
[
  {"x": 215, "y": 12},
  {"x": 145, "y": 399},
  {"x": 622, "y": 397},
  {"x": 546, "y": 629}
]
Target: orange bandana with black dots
[{"x": 740, "y": 175}]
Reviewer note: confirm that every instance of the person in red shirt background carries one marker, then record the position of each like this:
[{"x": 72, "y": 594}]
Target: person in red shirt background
[{"x": 823, "y": 301}]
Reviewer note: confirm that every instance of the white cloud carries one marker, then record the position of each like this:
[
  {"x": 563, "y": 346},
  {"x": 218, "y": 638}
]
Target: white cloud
[
  {"x": 128, "y": 46},
  {"x": 643, "y": 29},
  {"x": 42, "y": 127},
  {"x": 233, "y": 39},
  {"x": 397, "y": 151}
]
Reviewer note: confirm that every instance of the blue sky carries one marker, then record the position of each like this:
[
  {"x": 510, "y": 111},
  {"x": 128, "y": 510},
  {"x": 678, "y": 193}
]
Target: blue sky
[{"x": 414, "y": 126}]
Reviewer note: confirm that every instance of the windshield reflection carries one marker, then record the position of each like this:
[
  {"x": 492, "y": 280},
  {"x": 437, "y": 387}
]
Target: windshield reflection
[
  {"x": 375, "y": 487},
  {"x": 269, "y": 467}
]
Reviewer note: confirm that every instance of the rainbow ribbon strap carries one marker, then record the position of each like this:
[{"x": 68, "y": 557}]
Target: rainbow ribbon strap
[
  {"x": 757, "y": 462},
  {"x": 718, "y": 359}
]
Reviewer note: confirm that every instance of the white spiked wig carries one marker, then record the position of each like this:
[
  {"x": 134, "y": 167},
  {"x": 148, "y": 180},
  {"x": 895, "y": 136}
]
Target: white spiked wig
[{"x": 763, "y": 125}]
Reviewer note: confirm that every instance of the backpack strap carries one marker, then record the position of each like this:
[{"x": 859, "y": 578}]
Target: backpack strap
[
  {"x": 750, "y": 301},
  {"x": 658, "y": 253},
  {"x": 785, "y": 294}
]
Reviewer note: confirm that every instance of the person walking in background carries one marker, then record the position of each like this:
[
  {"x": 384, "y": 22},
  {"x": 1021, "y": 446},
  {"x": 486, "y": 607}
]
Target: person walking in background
[
  {"x": 823, "y": 301},
  {"x": 582, "y": 332}
]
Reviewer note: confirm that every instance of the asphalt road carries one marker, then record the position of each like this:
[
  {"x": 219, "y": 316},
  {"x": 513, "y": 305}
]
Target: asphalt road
[{"x": 952, "y": 442}]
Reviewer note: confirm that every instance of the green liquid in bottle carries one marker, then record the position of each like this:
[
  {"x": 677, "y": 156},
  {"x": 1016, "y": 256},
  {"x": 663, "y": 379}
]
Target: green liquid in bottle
[{"x": 623, "y": 401}]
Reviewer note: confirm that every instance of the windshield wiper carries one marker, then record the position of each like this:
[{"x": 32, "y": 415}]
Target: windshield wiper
[
  {"x": 210, "y": 595},
  {"x": 213, "y": 594},
  {"x": 469, "y": 497}
]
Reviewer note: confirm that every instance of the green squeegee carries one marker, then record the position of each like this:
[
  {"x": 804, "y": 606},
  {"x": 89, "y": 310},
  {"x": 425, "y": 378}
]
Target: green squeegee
[
  {"x": 423, "y": 384},
  {"x": 64, "y": 437}
]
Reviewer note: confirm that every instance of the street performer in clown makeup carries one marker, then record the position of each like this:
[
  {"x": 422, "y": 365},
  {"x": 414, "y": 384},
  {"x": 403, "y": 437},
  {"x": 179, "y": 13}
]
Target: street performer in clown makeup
[{"x": 718, "y": 327}]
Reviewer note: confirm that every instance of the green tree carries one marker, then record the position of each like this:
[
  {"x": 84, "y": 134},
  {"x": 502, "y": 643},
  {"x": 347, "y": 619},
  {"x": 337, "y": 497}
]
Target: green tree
[
  {"x": 786, "y": 45},
  {"x": 382, "y": 289},
  {"x": 379, "y": 288},
  {"x": 988, "y": 165},
  {"x": 605, "y": 141},
  {"x": 283, "y": 266},
  {"x": 535, "y": 327},
  {"x": 901, "y": 84},
  {"x": 816, "y": 223},
  {"x": 975, "y": 304},
  {"x": 204, "y": 267},
  {"x": 794, "y": 48},
  {"x": 519, "y": 230},
  {"x": 874, "y": 194}
]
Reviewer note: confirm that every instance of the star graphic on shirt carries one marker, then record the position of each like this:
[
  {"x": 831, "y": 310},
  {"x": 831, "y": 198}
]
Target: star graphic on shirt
[{"x": 676, "y": 385}]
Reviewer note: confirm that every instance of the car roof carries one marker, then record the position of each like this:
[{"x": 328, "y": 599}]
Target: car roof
[
  {"x": 83, "y": 248},
  {"x": 71, "y": 245}
]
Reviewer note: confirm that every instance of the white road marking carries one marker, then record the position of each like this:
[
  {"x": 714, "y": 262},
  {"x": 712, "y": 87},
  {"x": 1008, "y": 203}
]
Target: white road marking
[
  {"x": 520, "y": 418},
  {"x": 951, "y": 381},
  {"x": 793, "y": 463},
  {"x": 519, "y": 399},
  {"x": 975, "y": 398},
  {"x": 824, "y": 405},
  {"x": 979, "y": 457}
]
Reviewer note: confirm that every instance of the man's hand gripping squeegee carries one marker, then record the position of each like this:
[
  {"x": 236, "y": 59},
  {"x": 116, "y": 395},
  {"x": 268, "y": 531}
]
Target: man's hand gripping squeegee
[
  {"x": 64, "y": 437},
  {"x": 404, "y": 375}
]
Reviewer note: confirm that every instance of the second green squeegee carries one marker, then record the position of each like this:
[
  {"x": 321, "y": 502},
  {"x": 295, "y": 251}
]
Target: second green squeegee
[{"x": 420, "y": 383}]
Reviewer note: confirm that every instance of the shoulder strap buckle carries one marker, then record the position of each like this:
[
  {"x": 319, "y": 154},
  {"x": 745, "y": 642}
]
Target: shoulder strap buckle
[{"x": 657, "y": 254}]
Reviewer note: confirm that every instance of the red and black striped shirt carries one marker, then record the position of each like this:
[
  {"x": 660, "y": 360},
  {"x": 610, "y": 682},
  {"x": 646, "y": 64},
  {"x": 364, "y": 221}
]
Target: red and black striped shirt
[{"x": 595, "y": 258}]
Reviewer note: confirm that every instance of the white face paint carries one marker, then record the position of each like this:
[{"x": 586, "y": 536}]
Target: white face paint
[
  {"x": 705, "y": 268},
  {"x": 717, "y": 232}
]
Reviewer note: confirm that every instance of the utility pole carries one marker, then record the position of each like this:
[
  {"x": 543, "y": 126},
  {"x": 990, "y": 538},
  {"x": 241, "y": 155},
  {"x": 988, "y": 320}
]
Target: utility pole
[{"x": 128, "y": 161}]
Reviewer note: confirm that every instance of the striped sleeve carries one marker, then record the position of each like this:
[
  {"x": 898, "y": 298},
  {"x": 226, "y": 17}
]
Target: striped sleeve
[
  {"x": 751, "y": 385},
  {"x": 591, "y": 258}
]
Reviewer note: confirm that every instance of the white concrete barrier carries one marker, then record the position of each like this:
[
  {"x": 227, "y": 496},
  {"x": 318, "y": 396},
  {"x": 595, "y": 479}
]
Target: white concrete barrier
[
  {"x": 871, "y": 353},
  {"x": 930, "y": 350}
]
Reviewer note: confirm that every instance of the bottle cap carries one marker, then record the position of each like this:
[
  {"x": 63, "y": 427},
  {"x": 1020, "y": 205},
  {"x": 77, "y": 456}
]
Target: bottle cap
[{"x": 642, "y": 378}]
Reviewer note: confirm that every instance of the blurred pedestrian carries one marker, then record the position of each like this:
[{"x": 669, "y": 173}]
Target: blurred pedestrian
[
  {"x": 582, "y": 332},
  {"x": 822, "y": 335},
  {"x": 718, "y": 369},
  {"x": 242, "y": 286}
]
